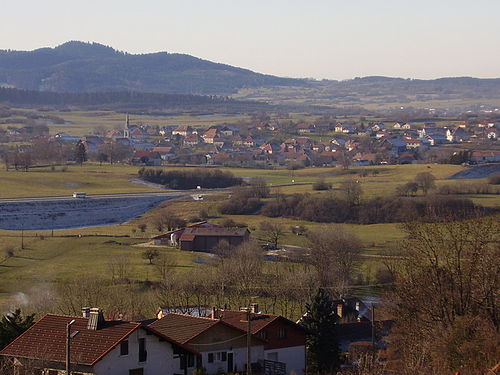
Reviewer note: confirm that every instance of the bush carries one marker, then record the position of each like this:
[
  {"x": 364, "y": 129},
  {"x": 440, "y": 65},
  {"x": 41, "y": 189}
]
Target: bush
[
  {"x": 494, "y": 179},
  {"x": 240, "y": 206},
  {"x": 321, "y": 185}
]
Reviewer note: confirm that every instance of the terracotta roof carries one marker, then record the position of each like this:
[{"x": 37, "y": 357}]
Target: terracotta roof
[
  {"x": 182, "y": 328},
  {"x": 238, "y": 319},
  {"x": 46, "y": 339}
]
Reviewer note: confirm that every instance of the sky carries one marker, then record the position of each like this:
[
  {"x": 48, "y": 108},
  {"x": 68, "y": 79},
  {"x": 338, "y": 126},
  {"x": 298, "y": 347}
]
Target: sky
[{"x": 321, "y": 39}]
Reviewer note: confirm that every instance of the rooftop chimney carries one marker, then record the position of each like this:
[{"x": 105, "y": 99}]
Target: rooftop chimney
[
  {"x": 86, "y": 312},
  {"x": 255, "y": 308},
  {"x": 339, "y": 310},
  {"x": 160, "y": 314},
  {"x": 96, "y": 319}
]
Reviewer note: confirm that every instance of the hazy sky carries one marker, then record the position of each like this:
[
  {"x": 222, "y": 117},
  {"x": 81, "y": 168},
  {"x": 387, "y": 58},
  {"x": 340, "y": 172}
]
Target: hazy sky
[{"x": 316, "y": 38}]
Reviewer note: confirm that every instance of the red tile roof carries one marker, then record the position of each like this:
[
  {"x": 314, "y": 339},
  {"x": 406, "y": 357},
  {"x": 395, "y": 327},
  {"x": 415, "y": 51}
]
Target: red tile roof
[
  {"x": 182, "y": 328},
  {"x": 238, "y": 319},
  {"x": 46, "y": 340}
]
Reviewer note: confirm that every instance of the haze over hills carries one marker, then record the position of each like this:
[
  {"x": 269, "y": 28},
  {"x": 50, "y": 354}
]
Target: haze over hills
[
  {"x": 89, "y": 67},
  {"x": 79, "y": 67}
]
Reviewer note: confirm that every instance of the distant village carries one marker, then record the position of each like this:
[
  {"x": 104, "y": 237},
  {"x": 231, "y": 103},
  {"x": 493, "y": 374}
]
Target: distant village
[{"x": 273, "y": 143}]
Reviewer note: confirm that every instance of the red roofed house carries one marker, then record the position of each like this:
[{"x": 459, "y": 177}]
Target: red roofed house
[
  {"x": 485, "y": 156},
  {"x": 285, "y": 340},
  {"x": 172, "y": 237},
  {"x": 206, "y": 239},
  {"x": 210, "y": 135},
  {"x": 97, "y": 347},
  {"x": 183, "y": 130},
  {"x": 222, "y": 347}
]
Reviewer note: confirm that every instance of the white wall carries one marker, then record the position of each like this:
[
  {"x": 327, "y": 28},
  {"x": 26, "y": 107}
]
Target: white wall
[
  {"x": 239, "y": 359},
  {"x": 160, "y": 358},
  {"x": 294, "y": 357}
]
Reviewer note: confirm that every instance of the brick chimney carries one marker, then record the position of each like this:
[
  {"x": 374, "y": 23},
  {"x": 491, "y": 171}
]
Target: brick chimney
[
  {"x": 86, "y": 312},
  {"x": 255, "y": 308},
  {"x": 96, "y": 319}
]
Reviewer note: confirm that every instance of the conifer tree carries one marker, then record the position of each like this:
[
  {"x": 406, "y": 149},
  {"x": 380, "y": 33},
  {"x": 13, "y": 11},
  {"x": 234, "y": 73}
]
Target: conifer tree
[
  {"x": 80, "y": 153},
  {"x": 321, "y": 341},
  {"x": 12, "y": 325}
]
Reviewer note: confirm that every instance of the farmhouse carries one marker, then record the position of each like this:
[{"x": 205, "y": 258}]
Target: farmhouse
[
  {"x": 206, "y": 239},
  {"x": 171, "y": 238},
  {"x": 98, "y": 347}
]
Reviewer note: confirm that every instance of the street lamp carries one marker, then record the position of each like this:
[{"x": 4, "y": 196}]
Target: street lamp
[{"x": 69, "y": 336}]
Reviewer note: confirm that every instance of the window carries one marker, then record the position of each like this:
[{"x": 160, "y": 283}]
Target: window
[
  {"x": 143, "y": 354},
  {"x": 282, "y": 333},
  {"x": 263, "y": 334},
  {"x": 223, "y": 356},
  {"x": 53, "y": 372},
  {"x": 210, "y": 357},
  {"x": 124, "y": 347},
  {"x": 190, "y": 360}
]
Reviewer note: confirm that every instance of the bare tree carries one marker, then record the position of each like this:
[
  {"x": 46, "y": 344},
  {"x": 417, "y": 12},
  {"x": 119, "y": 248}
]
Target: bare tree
[
  {"x": 425, "y": 181},
  {"x": 446, "y": 296},
  {"x": 272, "y": 232},
  {"x": 335, "y": 254},
  {"x": 119, "y": 268},
  {"x": 352, "y": 191},
  {"x": 165, "y": 266},
  {"x": 150, "y": 254}
]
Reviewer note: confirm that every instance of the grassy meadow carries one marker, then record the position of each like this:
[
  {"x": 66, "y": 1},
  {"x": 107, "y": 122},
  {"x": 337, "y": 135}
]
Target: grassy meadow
[{"x": 74, "y": 253}]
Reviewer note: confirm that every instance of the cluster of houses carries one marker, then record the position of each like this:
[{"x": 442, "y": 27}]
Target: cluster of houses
[
  {"x": 212, "y": 340},
  {"x": 266, "y": 143},
  {"x": 344, "y": 143}
]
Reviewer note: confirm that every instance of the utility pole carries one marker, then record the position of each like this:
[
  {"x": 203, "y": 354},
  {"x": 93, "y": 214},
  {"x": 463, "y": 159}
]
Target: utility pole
[
  {"x": 249, "y": 340},
  {"x": 373, "y": 332},
  {"x": 68, "y": 340}
]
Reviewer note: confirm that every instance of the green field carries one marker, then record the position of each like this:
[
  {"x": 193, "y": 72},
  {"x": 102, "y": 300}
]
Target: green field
[
  {"x": 48, "y": 260},
  {"x": 79, "y": 123}
]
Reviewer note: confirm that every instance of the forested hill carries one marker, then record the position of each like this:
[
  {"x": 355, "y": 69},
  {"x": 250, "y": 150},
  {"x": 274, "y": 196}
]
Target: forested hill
[
  {"x": 90, "y": 67},
  {"x": 130, "y": 101}
]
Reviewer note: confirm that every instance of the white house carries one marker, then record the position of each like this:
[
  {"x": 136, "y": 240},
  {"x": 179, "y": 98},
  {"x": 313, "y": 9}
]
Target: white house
[
  {"x": 221, "y": 347},
  {"x": 285, "y": 340},
  {"x": 97, "y": 347}
]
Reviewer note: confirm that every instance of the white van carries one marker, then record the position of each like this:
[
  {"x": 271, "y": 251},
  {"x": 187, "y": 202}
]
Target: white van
[{"x": 79, "y": 195}]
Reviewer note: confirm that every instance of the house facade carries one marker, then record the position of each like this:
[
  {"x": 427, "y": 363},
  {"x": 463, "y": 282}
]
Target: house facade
[
  {"x": 97, "y": 347},
  {"x": 221, "y": 347},
  {"x": 285, "y": 340}
]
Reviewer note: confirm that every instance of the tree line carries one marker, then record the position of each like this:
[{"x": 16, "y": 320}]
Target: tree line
[{"x": 190, "y": 178}]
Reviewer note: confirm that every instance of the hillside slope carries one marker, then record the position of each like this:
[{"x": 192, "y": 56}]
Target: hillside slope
[{"x": 90, "y": 67}]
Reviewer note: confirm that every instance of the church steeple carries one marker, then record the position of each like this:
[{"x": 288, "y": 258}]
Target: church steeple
[{"x": 126, "y": 131}]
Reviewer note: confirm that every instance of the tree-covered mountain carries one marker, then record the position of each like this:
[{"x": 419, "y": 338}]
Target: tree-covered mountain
[{"x": 92, "y": 67}]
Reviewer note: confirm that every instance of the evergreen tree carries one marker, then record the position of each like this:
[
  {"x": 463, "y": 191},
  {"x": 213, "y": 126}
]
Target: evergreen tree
[
  {"x": 321, "y": 341},
  {"x": 80, "y": 153},
  {"x": 12, "y": 325}
]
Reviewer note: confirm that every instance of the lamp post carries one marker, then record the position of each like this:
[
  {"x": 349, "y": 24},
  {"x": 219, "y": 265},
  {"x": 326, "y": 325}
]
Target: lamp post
[{"x": 68, "y": 341}]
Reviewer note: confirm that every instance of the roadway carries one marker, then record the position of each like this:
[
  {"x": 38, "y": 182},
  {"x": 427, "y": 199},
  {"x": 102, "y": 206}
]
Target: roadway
[{"x": 166, "y": 194}]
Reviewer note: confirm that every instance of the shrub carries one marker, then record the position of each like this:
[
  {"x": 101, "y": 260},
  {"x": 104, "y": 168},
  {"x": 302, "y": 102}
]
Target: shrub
[
  {"x": 494, "y": 179},
  {"x": 321, "y": 185},
  {"x": 190, "y": 178}
]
